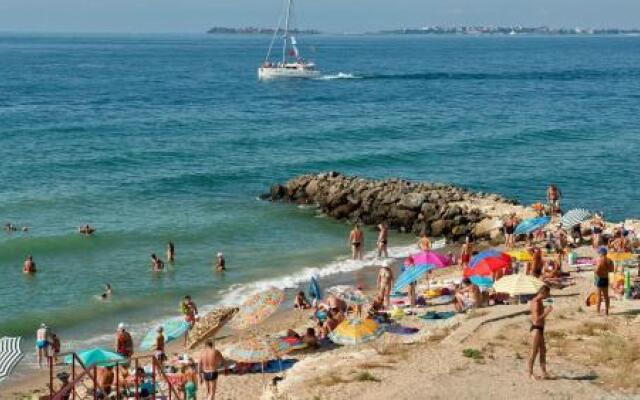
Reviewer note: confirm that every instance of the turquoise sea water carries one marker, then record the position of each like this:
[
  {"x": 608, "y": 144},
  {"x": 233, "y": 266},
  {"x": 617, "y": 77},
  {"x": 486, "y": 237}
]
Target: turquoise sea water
[{"x": 157, "y": 138}]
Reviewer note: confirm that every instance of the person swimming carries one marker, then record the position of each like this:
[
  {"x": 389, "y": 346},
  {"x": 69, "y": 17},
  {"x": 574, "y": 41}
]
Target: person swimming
[
  {"x": 29, "y": 266},
  {"x": 156, "y": 263},
  {"x": 220, "y": 262},
  {"x": 86, "y": 230},
  {"x": 108, "y": 291}
]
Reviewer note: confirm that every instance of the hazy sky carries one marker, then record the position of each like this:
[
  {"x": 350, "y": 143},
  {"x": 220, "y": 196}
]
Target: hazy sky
[{"x": 328, "y": 15}]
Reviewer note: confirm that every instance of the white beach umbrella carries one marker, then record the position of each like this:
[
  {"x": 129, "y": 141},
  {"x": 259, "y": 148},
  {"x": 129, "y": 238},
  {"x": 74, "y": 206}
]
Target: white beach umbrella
[
  {"x": 10, "y": 355},
  {"x": 574, "y": 217},
  {"x": 518, "y": 285}
]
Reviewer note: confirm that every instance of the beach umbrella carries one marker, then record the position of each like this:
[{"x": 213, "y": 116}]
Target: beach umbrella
[
  {"x": 621, "y": 257},
  {"x": 520, "y": 255},
  {"x": 257, "y": 308},
  {"x": 487, "y": 262},
  {"x": 428, "y": 257},
  {"x": 481, "y": 281},
  {"x": 531, "y": 225},
  {"x": 172, "y": 330},
  {"x": 209, "y": 324},
  {"x": 411, "y": 274},
  {"x": 95, "y": 356},
  {"x": 518, "y": 285},
  {"x": 314, "y": 289},
  {"x": 356, "y": 331},
  {"x": 574, "y": 217},
  {"x": 348, "y": 294},
  {"x": 10, "y": 355},
  {"x": 252, "y": 350}
]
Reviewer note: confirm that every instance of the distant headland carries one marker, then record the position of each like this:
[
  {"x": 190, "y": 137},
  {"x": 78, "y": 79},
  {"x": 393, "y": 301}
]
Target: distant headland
[
  {"x": 260, "y": 31},
  {"x": 508, "y": 30}
]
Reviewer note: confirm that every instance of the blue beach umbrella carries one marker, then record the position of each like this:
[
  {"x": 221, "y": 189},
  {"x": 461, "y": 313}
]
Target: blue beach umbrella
[
  {"x": 531, "y": 225},
  {"x": 172, "y": 330},
  {"x": 314, "y": 289},
  {"x": 475, "y": 260},
  {"x": 482, "y": 281},
  {"x": 411, "y": 274},
  {"x": 95, "y": 356}
]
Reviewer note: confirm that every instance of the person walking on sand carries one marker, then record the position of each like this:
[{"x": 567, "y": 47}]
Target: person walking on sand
[
  {"x": 603, "y": 266},
  {"x": 383, "y": 240},
  {"x": 424, "y": 243},
  {"x": 210, "y": 360},
  {"x": 190, "y": 312},
  {"x": 171, "y": 252},
  {"x": 385, "y": 283},
  {"x": 465, "y": 252},
  {"x": 539, "y": 314},
  {"x": 124, "y": 342},
  {"x": 42, "y": 343},
  {"x": 356, "y": 240},
  {"x": 29, "y": 266}
]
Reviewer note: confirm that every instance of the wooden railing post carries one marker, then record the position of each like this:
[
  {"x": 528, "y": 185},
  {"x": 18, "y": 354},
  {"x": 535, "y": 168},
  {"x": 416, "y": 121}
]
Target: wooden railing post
[
  {"x": 73, "y": 376},
  {"x": 50, "y": 362},
  {"x": 95, "y": 382},
  {"x": 135, "y": 380},
  {"x": 153, "y": 378}
]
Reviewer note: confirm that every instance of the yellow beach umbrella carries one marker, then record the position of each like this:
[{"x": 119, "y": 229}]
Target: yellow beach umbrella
[
  {"x": 518, "y": 285},
  {"x": 621, "y": 257},
  {"x": 520, "y": 255},
  {"x": 356, "y": 331}
]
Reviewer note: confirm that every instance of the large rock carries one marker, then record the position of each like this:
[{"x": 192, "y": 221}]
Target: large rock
[{"x": 412, "y": 201}]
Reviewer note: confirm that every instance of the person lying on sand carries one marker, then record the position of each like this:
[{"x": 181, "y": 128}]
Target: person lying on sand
[
  {"x": 539, "y": 314},
  {"x": 309, "y": 338}
]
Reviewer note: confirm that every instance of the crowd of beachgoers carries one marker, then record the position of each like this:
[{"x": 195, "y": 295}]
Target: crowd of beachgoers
[{"x": 543, "y": 256}]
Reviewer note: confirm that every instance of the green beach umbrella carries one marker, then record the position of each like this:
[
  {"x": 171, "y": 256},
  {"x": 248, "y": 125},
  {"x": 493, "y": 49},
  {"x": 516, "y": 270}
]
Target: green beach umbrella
[
  {"x": 173, "y": 329},
  {"x": 95, "y": 356}
]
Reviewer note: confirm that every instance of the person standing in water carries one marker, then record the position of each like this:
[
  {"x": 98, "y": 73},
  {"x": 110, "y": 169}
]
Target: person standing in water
[
  {"x": 190, "y": 312},
  {"x": 356, "y": 240},
  {"x": 539, "y": 314},
  {"x": 156, "y": 263},
  {"x": 603, "y": 267},
  {"x": 220, "y": 262},
  {"x": 29, "y": 266},
  {"x": 210, "y": 360},
  {"x": 383, "y": 241},
  {"x": 171, "y": 252},
  {"x": 42, "y": 343},
  {"x": 385, "y": 283}
]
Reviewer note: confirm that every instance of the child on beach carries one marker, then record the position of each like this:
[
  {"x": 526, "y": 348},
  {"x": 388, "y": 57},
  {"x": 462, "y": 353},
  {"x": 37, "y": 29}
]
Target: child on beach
[{"x": 301, "y": 302}]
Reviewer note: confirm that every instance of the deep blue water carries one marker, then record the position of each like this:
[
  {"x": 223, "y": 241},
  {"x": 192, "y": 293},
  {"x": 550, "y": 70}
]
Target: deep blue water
[{"x": 156, "y": 138}]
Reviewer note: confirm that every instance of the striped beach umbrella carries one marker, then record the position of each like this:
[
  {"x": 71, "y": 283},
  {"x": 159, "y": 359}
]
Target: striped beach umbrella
[
  {"x": 348, "y": 294},
  {"x": 257, "y": 308},
  {"x": 574, "y": 217},
  {"x": 252, "y": 350},
  {"x": 172, "y": 330},
  {"x": 10, "y": 355},
  {"x": 411, "y": 274},
  {"x": 518, "y": 285},
  {"x": 531, "y": 225},
  {"x": 356, "y": 331}
]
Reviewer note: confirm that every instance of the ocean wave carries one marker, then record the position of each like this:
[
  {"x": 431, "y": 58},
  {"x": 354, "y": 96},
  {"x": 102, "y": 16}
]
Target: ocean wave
[{"x": 339, "y": 75}]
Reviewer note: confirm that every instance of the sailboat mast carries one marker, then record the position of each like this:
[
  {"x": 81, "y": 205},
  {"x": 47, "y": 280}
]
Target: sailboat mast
[{"x": 286, "y": 32}]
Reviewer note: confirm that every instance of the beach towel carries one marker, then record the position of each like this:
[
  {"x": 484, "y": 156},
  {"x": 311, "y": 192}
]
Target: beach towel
[
  {"x": 433, "y": 315},
  {"x": 401, "y": 330},
  {"x": 274, "y": 366},
  {"x": 441, "y": 300}
]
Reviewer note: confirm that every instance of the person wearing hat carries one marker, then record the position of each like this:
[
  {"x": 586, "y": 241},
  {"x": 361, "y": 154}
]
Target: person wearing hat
[
  {"x": 124, "y": 343},
  {"x": 42, "y": 343},
  {"x": 220, "y": 262},
  {"x": 159, "y": 345},
  {"x": 603, "y": 267}
]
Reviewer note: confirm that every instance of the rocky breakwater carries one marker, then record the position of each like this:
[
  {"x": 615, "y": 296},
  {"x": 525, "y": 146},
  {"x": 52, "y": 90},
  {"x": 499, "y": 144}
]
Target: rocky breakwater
[{"x": 435, "y": 208}]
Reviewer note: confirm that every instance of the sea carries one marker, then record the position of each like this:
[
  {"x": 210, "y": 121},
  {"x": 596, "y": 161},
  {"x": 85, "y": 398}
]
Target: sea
[{"x": 157, "y": 138}]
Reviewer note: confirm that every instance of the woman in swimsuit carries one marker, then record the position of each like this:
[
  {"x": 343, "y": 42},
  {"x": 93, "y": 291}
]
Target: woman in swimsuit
[
  {"x": 383, "y": 240},
  {"x": 597, "y": 226},
  {"x": 465, "y": 252}
]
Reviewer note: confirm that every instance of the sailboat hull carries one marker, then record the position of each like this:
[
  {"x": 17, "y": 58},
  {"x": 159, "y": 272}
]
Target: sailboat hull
[{"x": 268, "y": 73}]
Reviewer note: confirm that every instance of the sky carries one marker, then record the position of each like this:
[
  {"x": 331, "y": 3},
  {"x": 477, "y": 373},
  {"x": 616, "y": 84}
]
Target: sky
[{"x": 351, "y": 16}]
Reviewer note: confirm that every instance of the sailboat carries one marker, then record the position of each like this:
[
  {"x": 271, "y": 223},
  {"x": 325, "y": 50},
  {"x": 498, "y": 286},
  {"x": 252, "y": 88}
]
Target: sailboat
[{"x": 292, "y": 65}]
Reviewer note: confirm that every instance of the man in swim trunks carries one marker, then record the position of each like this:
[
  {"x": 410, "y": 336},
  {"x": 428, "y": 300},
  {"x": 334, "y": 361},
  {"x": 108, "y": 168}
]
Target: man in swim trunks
[
  {"x": 553, "y": 198},
  {"x": 42, "y": 343},
  {"x": 538, "y": 315},
  {"x": 509, "y": 227},
  {"x": 356, "y": 240},
  {"x": 385, "y": 283},
  {"x": 210, "y": 360},
  {"x": 603, "y": 266},
  {"x": 156, "y": 263},
  {"x": 29, "y": 266},
  {"x": 383, "y": 240}
]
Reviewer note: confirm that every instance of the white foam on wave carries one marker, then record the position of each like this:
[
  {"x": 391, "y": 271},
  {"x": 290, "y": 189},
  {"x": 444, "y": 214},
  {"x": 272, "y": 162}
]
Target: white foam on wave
[
  {"x": 236, "y": 294},
  {"x": 339, "y": 75}
]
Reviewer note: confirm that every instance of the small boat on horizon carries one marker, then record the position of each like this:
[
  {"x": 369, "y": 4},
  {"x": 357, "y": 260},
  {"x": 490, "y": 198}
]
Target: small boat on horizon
[{"x": 292, "y": 64}]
